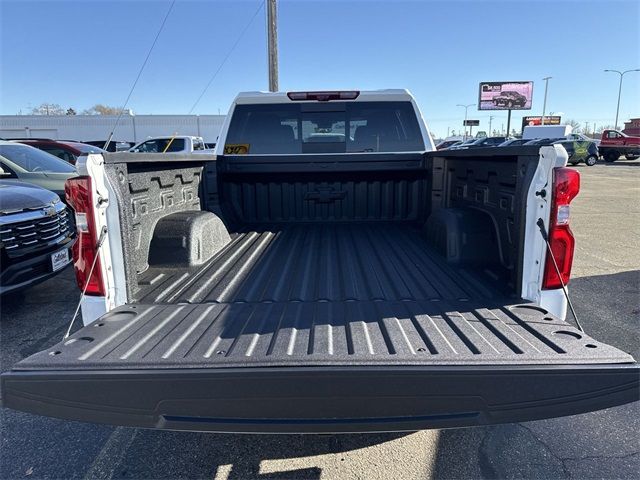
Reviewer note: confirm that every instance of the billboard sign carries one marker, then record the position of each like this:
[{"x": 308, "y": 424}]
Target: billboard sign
[
  {"x": 471, "y": 123},
  {"x": 537, "y": 120},
  {"x": 505, "y": 96}
]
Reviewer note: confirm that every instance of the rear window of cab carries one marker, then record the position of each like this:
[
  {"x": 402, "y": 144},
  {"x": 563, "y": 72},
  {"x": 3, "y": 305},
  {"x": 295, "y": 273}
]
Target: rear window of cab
[{"x": 327, "y": 127}]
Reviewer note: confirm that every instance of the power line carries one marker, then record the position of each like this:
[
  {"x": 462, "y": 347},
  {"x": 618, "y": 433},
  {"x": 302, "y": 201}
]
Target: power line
[
  {"x": 144, "y": 64},
  {"x": 227, "y": 56}
]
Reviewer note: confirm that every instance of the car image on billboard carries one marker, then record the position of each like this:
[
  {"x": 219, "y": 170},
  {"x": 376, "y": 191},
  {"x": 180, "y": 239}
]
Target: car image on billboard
[{"x": 505, "y": 96}]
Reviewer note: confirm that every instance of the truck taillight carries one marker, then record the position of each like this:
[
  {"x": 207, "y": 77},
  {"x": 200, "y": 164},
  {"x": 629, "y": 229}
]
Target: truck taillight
[
  {"x": 566, "y": 185},
  {"x": 79, "y": 196}
]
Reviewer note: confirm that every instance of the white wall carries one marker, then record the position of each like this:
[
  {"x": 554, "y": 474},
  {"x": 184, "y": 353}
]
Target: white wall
[{"x": 97, "y": 127}]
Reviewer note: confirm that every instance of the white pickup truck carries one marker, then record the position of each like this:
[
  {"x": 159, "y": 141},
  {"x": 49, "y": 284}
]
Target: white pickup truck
[
  {"x": 171, "y": 144},
  {"x": 324, "y": 271}
]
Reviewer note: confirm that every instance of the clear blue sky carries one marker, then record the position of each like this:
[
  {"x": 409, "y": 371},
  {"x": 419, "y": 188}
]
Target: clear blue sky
[{"x": 79, "y": 53}]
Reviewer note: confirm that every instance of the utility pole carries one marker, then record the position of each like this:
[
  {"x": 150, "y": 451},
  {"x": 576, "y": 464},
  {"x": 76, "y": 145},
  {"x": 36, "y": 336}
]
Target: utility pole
[
  {"x": 490, "y": 120},
  {"x": 272, "y": 44},
  {"x": 466, "y": 107},
  {"x": 544, "y": 104},
  {"x": 620, "y": 89}
]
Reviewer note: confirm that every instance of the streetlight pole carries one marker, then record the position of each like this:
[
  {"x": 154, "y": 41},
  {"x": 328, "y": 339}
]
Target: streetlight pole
[
  {"x": 544, "y": 104},
  {"x": 466, "y": 107},
  {"x": 490, "y": 120},
  {"x": 620, "y": 88}
]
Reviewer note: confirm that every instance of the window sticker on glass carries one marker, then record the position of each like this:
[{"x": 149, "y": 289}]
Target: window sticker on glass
[{"x": 236, "y": 149}]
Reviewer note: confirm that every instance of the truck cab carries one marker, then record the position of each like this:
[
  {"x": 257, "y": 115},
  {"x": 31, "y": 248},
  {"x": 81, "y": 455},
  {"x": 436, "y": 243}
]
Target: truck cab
[{"x": 614, "y": 144}]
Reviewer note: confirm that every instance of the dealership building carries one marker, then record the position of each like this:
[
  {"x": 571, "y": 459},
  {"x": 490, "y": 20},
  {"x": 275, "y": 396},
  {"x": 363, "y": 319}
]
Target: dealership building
[
  {"x": 632, "y": 127},
  {"x": 131, "y": 128}
]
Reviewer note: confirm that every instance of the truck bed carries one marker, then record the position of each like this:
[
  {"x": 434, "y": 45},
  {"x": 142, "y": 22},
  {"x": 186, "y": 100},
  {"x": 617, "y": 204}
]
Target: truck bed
[
  {"x": 344, "y": 319},
  {"x": 329, "y": 294}
]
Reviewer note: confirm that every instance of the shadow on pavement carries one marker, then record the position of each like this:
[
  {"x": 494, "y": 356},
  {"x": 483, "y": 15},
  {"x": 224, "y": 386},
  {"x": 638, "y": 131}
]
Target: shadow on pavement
[
  {"x": 608, "y": 307},
  {"x": 158, "y": 454}
]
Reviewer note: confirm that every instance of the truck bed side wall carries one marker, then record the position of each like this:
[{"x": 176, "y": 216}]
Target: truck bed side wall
[
  {"x": 491, "y": 185},
  {"x": 147, "y": 192}
]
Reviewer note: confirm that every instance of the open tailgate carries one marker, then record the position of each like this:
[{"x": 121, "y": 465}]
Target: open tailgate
[{"x": 189, "y": 367}]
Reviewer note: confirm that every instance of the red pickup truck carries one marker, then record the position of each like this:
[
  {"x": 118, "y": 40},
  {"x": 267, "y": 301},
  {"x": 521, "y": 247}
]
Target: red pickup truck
[{"x": 614, "y": 144}]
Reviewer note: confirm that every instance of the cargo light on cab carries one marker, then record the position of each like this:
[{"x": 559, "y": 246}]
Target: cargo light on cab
[{"x": 323, "y": 96}]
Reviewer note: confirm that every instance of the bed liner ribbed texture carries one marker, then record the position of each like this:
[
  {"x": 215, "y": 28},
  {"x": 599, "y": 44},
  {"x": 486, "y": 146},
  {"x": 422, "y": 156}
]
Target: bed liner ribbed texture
[
  {"x": 313, "y": 295},
  {"x": 318, "y": 262}
]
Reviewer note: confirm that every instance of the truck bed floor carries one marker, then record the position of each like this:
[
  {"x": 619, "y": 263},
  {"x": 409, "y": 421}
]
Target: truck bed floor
[
  {"x": 311, "y": 295},
  {"x": 311, "y": 263}
]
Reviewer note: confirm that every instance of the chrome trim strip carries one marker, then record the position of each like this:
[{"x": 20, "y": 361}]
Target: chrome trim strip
[{"x": 20, "y": 217}]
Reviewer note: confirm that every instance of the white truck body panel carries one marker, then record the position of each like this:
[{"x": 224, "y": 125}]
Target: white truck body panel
[
  {"x": 111, "y": 255},
  {"x": 546, "y": 131},
  {"x": 535, "y": 249}
]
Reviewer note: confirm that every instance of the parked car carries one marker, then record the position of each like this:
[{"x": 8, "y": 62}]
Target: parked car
[
  {"x": 114, "y": 146},
  {"x": 614, "y": 144},
  {"x": 509, "y": 99},
  {"x": 293, "y": 286},
  {"x": 453, "y": 145},
  {"x": 513, "y": 142},
  {"x": 35, "y": 235},
  {"x": 32, "y": 165},
  {"x": 446, "y": 144},
  {"x": 67, "y": 150},
  {"x": 483, "y": 142},
  {"x": 580, "y": 151},
  {"x": 177, "y": 144},
  {"x": 460, "y": 145}
]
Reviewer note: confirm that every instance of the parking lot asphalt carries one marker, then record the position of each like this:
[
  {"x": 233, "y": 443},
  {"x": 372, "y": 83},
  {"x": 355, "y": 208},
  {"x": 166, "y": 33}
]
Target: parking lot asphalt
[{"x": 604, "y": 444}]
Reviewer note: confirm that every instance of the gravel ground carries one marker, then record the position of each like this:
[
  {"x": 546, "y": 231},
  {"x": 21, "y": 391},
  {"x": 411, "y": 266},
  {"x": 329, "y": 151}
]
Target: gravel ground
[{"x": 604, "y": 444}]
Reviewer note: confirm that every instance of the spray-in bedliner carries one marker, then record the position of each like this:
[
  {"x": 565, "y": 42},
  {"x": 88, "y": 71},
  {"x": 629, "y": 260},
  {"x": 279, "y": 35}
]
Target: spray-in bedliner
[{"x": 357, "y": 294}]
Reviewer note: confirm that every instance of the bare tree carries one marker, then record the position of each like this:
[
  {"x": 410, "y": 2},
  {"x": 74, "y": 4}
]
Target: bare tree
[
  {"x": 100, "y": 109},
  {"x": 577, "y": 126},
  {"x": 48, "y": 109}
]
